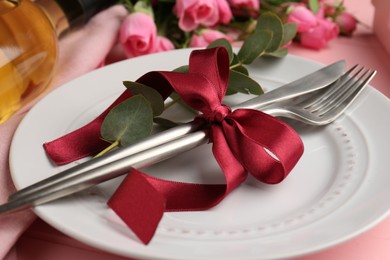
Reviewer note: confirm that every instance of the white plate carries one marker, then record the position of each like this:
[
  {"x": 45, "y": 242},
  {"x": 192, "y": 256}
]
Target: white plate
[{"x": 338, "y": 189}]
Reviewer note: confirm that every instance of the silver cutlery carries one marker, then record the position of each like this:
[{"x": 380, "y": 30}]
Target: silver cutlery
[
  {"x": 307, "y": 84},
  {"x": 181, "y": 139}
]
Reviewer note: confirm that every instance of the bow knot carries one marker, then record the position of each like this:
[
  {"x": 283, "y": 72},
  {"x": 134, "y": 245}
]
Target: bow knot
[{"x": 217, "y": 115}]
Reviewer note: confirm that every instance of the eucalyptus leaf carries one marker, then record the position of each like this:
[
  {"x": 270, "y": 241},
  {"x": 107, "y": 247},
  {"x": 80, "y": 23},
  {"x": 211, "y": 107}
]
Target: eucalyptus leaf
[
  {"x": 222, "y": 42},
  {"x": 270, "y": 21},
  {"x": 182, "y": 69},
  {"x": 239, "y": 82},
  {"x": 279, "y": 53},
  {"x": 290, "y": 31},
  {"x": 235, "y": 62},
  {"x": 177, "y": 100},
  {"x": 129, "y": 121},
  {"x": 242, "y": 70},
  {"x": 152, "y": 95},
  {"x": 165, "y": 123},
  {"x": 230, "y": 92},
  {"x": 314, "y": 6},
  {"x": 254, "y": 46}
]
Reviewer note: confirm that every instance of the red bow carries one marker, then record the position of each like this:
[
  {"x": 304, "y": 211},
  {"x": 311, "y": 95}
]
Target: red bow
[{"x": 242, "y": 142}]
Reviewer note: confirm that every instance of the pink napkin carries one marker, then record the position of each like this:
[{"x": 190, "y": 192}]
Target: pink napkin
[{"x": 81, "y": 51}]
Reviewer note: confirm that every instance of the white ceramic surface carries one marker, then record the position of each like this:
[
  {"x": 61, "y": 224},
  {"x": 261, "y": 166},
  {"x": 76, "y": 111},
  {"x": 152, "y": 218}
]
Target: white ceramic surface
[{"x": 338, "y": 190}]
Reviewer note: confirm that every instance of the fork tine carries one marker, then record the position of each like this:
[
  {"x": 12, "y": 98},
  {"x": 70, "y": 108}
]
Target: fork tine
[
  {"x": 343, "y": 92},
  {"x": 332, "y": 91},
  {"x": 325, "y": 106},
  {"x": 334, "y": 109}
]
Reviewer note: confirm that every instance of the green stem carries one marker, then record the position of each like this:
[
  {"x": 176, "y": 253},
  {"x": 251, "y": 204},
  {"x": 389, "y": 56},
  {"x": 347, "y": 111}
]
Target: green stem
[
  {"x": 169, "y": 104},
  {"x": 107, "y": 149},
  {"x": 235, "y": 65}
]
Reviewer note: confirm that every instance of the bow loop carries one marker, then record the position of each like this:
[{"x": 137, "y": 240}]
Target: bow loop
[
  {"x": 205, "y": 84},
  {"x": 217, "y": 71},
  {"x": 266, "y": 147}
]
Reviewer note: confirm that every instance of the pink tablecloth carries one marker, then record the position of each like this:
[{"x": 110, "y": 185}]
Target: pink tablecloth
[{"x": 42, "y": 242}]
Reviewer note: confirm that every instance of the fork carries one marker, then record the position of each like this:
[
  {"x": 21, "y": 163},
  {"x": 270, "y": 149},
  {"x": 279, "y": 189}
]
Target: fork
[
  {"x": 325, "y": 106},
  {"x": 320, "y": 108}
]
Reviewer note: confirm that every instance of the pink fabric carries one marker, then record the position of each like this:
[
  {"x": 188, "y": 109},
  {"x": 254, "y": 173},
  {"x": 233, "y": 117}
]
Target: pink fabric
[{"x": 79, "y": 53}]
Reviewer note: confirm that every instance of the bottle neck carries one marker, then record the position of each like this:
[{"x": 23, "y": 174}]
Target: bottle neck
[{"x": 66, "y": 14}]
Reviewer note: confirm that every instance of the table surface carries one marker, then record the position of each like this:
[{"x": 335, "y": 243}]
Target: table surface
[{"x": 43, "y": 242}]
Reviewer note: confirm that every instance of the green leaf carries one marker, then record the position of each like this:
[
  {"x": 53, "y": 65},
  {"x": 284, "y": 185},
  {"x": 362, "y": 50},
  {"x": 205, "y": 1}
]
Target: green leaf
[
  {"x": 314, "y": 6},
  {"x": 254, "y": 46},
  {"x": 242, "y": 70},
  {"x": 128, "y": 122},
  {"x": 279, "y": 53},
  {"x": 165, "y": 123},
  {"x": 230, "y": 92},
  {"x": 271, "y": 22},
  {"x": 223, "y": 43},
  {"x": 290, "y": 31},
  {"x": 152, "y": 95},
  {"x": 239, "y": 82},
  {"x": 182, "y": 69},
  {"x": 235, "y": 62},
  {"x": 177, "y": 100}
]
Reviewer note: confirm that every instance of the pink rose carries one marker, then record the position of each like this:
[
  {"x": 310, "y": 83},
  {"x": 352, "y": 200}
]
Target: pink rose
[
  {"x": 138, "y": 35},
  {"x": 192, "y": 13},
  {"x": 303, "y": 17},
  {"x": 206, "y": 37},
  {"x": 318, "y": 36},
  {"x": 346, "y": 23},
  {"x": 225, "y": 13},
  {"x": 242, "y": 7},
  {"x": 331, "y": 29},
  {"x": 314, "y": 38},
  {"x": 164, "y": 44}
]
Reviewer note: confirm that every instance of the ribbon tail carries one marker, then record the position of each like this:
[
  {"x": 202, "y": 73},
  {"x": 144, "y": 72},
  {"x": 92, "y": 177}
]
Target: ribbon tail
[
  {"x": 141, "y": 200},
  {"x": 82, "y": 142},
  {"x": 77, "y": 144},
  {"x": 234, "y": 172},
  {"x": 139, "y": 205}
]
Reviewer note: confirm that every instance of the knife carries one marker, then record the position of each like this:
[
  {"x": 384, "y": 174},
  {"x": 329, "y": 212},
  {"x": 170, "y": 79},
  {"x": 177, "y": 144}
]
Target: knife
[{"x": 141, "y": 154}]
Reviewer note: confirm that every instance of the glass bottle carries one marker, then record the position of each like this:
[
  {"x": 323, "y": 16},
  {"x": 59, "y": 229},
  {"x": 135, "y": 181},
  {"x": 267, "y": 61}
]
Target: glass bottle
[{"x": 29, "y": 32}]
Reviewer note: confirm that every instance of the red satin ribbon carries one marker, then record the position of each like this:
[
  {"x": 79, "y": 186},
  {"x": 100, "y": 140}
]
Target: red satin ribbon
[{"x": 240, "y": 142}]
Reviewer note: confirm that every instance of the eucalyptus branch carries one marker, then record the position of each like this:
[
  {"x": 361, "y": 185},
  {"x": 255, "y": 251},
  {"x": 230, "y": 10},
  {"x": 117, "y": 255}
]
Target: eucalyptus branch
[{"x": 111, "y": 147}]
